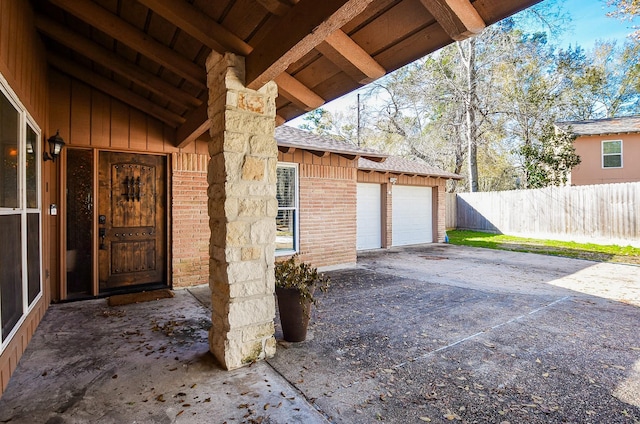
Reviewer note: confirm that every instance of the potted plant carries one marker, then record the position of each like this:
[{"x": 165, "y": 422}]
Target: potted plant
[{"x": 296, "y": 283}]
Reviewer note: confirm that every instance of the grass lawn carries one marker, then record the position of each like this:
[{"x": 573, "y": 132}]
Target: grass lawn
[{"x": 594, "y": 252}]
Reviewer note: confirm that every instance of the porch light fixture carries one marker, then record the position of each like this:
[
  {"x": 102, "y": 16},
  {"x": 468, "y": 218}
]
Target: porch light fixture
[{"x": 56, "y": 143}]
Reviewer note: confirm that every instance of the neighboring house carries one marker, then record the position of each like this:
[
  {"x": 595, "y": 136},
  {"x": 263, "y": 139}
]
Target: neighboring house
[{"x": 609, "y": 150}]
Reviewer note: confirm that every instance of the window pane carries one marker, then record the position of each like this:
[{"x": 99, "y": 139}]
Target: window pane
[
  {"x": 79, "y": 222},
  {"x": 33, "y": 255},
  {"x": 613, "y": 161},
  {"x": 286, "y": 187},
  {"x": 285, "y": 222},
  {"x": 611, "y": 147},
  {"x": 10, "y": 273},
  {"x": 32, "y": 174},
  {"x": 8, "y": 154}
]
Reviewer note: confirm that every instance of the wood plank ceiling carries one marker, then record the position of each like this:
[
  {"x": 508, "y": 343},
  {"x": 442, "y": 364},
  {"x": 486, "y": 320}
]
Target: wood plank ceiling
[{"x": 151, "y": 54}]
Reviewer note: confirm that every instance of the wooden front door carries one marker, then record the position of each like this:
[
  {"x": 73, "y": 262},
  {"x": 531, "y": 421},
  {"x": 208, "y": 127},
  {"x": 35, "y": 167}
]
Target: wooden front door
[{"x": 131, "y": 220}]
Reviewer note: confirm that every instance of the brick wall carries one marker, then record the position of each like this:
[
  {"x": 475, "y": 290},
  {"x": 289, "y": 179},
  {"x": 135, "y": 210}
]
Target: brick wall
[
  {"x": 328, "y": 192},
  {"x": 190, "y": 220},
  {"x": 327, "y": 208}
]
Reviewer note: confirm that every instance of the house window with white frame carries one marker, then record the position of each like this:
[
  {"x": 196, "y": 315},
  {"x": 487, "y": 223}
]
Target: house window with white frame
[
  {"x": 20, "y": 214},
  {"x": 612, "y": 154},
  {"x": 287, "y": 219}
]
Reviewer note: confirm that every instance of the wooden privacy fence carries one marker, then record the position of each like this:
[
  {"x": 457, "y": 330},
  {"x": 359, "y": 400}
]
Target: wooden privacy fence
[{"x": 601, "y": 213}]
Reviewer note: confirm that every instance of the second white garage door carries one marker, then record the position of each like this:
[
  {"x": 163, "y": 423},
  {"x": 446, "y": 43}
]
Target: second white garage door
[{"x": 412, "y": 215}]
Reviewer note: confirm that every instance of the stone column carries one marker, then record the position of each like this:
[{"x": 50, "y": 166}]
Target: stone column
[{"x": 242, "y": 210}]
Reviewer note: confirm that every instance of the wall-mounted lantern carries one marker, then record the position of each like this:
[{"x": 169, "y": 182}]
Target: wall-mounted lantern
[{"x": 56, "y": 143}]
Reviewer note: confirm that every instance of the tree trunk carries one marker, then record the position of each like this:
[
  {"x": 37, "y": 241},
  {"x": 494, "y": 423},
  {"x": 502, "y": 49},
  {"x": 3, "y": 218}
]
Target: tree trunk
[{"x": 470, "y": 107}]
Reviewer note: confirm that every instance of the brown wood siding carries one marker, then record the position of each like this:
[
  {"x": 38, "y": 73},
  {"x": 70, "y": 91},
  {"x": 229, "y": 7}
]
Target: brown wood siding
[
  {"x": 23, "y": 66},
  {"x": 87, "y": 117},
  {"x": 22, "y": 58}
]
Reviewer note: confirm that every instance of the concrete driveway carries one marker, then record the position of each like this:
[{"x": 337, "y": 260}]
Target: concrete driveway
[{"x": 434, "y": 333}]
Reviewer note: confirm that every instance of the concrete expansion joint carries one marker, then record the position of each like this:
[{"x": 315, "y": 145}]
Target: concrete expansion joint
[
  {"x": 301, "y": 394},
  {"x": 479, "y": 333}
]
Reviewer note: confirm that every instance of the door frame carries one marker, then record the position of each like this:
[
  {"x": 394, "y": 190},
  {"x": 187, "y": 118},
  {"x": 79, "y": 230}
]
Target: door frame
[{"x": 61, "y": 290}]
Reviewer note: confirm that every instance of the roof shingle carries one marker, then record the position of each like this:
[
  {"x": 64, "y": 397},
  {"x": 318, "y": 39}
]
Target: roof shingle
[
  {"x": 620, "y": 125},
  {"x": 287, "y": 136},
  {"x": 369, "y": 159},
  {"x": 399, "y": 165}
]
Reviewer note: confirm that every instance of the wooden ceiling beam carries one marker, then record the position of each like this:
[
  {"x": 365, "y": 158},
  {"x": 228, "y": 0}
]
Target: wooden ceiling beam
[
  {"x": 339, "y": 48},
  {"x": 199, "y": 26},
  {"x": 196, "y": 124},
  {"x": 459, "y": 19},
  {"x": 114, "y": 90},
  {"x": 115, "y": 63},
  {"x": 112, "y": 25},
  {"x": 297, "y": 92},
  {"x": 308, "y": 23},
  {"x": 277, "y": 7}
]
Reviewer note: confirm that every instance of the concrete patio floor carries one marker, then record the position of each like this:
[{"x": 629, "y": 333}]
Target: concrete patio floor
[{"x": 433, "y": 333}]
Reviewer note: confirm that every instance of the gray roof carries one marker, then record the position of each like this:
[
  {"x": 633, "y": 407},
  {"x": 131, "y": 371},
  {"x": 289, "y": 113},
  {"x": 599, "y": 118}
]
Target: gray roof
[
  {"x": 369, "y": 159},
  {"x": 620, "y": 125},
  {"x": 287, "y": 136},
  {"x": 399, "y": 165}
]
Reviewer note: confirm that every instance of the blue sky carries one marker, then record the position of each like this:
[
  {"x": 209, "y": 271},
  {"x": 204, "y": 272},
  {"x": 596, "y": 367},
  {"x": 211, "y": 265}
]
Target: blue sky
[{"x": 588, "y": 24}]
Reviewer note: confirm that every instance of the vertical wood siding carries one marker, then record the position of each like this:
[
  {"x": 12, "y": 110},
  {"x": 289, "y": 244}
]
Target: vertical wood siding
[
  {"x": 89, "y": 118},
  {"x": 22, "y": 58},
  {"x": 23, "y": 65},
  {"x": 596, "y": 213}
]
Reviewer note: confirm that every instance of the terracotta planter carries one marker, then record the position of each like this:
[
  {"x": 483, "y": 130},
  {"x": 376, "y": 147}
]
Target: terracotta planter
[{"x": 293, "y": 318}]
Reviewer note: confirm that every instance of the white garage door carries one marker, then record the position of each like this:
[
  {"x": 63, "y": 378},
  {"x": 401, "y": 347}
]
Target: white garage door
[
  {"x": 368, "y": 229},
  {"x": 411, "y": 215}
]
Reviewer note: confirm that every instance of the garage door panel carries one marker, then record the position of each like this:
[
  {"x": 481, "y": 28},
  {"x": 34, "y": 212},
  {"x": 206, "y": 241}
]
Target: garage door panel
[
  {"x": 369, "y": 213},
  {"x": 412, "y": 215}
]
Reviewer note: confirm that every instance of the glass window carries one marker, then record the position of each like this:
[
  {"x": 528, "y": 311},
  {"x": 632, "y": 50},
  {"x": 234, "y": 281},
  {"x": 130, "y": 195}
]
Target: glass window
[
  {"x": 612, "y": 154},
  {"x": 287, "y": 219},
  {"x": 9, "y": 120},
  {"x": 11, "y": 287},
  {"x": 20, "y": 215},
  {"x": 31, "y": 153}
]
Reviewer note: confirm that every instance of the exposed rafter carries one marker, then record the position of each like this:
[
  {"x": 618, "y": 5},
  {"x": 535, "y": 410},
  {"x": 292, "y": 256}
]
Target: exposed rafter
[
  {"x": 209, "y": 32},
  {"x": 458, "y": 18},
  {"x": 115, "y": 90},
  {"x": 197, "y": 123},
  {"x": 297, "y": 92},
  {"x": 111, "y": 61},
  {"x": 308, "y": 23},
  {"x": 277, "y": 7},
  {"x": 286, "y": 149},
  {"x": 339, "y": 48},
  {"x": 198, "y": 25},
  {"x": 319, "y": 153},
  {"x": 126, "y": 33}
]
